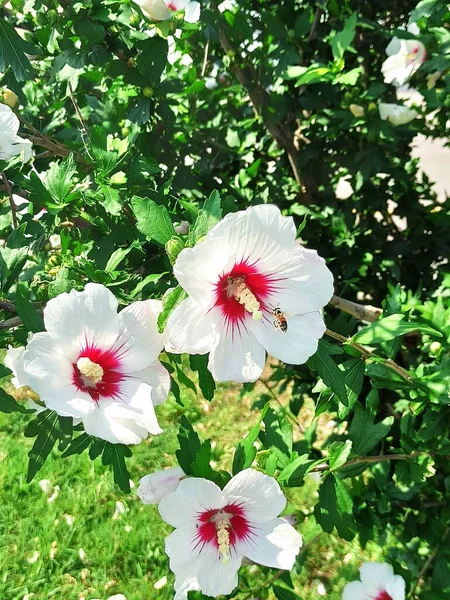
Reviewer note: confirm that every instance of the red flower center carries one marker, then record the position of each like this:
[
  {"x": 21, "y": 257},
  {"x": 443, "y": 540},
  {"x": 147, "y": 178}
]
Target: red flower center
[
  {"x": 106, "y": 367},
  {"x": 383, "y": 595},
  {"x": 231, "y": 517},
  {"x": 244, "y": 279},
  {"x": 172, "y": 6}
]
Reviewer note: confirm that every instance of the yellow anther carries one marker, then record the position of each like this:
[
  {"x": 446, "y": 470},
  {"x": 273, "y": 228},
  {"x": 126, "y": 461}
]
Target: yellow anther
[
  {"x": 223, "y": 539},
  {"x": 90, "y": 370}
]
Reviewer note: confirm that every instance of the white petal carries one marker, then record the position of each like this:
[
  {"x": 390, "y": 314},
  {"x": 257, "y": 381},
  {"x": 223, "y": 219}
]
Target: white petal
[
  {"x": 274, "y": 544},
  {"x": 396, "y": 114},
  {"x": 304, "y": 282},
  {"x": 259, "y": 234},
  {"x": 238, "y": 356},
  {"x": 375, "y": 574},
  {"x": 192, "y": 496},
  {"x": 158, "y": 378},
  {"x": 355, "y": 591},
  {"x": 50, "y": 376},
  {"x": 155, "y": 486},
  {"x": 295, "y": 345},
  {"x": 14, "y": 361},
  {"x": 136, "y": 404},
  {"x": 108, "y": 422},
  {"x": 183, "y": 548},
  {"x": 192, "y": 12},
  {"x": 191, "y": 328},
  {"x": 260, "y": 495},
  {"x": 76, "y": 319},
  {"x": 156, "y": 10},
  {"x": 213, "y": 576},
  {"x": 32, "y": 405},
  {"x": 198, "y": 269},
  {"x": 186, "y": 581},
  {"x": 9, "y": 123},
  {"x": 177, "y": 4},
  {"x": 396, "y": 69},
  {"x": 395, "y": 587},
  {"x": 139, "y": 341}
]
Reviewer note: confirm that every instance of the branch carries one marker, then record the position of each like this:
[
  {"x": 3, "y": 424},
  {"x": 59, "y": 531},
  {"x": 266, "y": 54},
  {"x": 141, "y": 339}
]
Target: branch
[
  {"x": 8, "y": 306},
  {"x": 363, "y": 312},
  {"x": 246, "y": 76},
  {"x": 428, "y": 563},
  {"x": 14, "y": 322},
  {"x": 388, "y": 362},
  {"x": 371, "y": 459},
  {"x": 313, "y": 33},
  {"x": 11, "y": 200}
]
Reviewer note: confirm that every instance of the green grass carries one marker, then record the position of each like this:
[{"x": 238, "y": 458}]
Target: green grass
[{"x": 42, "y": 556}]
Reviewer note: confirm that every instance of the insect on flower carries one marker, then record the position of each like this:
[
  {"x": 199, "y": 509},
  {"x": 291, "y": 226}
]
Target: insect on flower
[{"x": 280, "y": 321}]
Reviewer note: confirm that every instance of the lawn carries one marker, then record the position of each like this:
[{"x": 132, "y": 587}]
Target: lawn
[{"x": 77, "y": 536}]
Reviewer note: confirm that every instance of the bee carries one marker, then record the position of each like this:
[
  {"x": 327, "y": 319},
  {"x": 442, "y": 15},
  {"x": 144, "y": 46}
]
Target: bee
[{"x": 280, "y": 321}]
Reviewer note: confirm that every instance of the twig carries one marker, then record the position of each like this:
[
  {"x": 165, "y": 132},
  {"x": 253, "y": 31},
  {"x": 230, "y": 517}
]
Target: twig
[
  {"x": 428, "y": 563},
  {"x": 14, "y": 322},
  {"x": 11, "y": 200},
  {"x": 388, "y": 362},
  {"x": 246, "y": 76},
  {"x": 313, "y": 33},
  {"x": 363, "y": 312},
  {"x": 371, "y": 459},
  {"x": 205, "y": 59},
  {"x": 84, "y": 129},
  {"x": 8, "y": 306}
]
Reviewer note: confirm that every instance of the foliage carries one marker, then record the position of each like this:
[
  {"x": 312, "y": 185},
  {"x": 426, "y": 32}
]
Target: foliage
[{"x": 140, "y": 127}]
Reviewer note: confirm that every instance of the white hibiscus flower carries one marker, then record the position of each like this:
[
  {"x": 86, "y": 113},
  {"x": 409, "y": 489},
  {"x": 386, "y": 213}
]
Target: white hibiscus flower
[
  {"x": 251, "y": 289},
  {"x": 10, "y": 143},
  {"x": 100, "y": 366},
  {"x": 216, "y": 528},
  {"x": 161, "y": 10},
  {"x": 378, "y": 582},
  {"x": 155, "y": 486},
  {"x": 14, "y": 361},
  {"x": 396, "y": 113},
  {"x": 404, "y": 58}
]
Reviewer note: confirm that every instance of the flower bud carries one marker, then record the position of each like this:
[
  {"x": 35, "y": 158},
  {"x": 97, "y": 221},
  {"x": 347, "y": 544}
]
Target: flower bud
[
  {"x": 356, "y": 110},
  {"x": 435, "y": 347},
  {"x": 148, "y": 92},
  {"x": 9, "y": 98},
  {"x": 155, "y": 486},
  {"x": 173, "y": 248},
  {"x": 118, "y": 178},
  {"x": 372, "y": 106}
]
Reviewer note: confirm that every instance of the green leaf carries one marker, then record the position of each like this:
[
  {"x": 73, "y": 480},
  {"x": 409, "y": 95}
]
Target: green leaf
[
  {"x": 189, "y": 446},
  {"x": 390, "y": 327},
  {"x": 335, "y": 508},
  {"x": 245, "y": 450},
  {"x": 110, "y": 199},
  {"x": 199, "y": 363},
  {"x": 333, "y": 377},
  {"x": 114, "y": 455},
  {"x": 9, "y": 405},
  {"x": 283, "y": 593},
  {"x": 185, "y": 380},
  {"x": 43, "y": 444},
  {"x": 342, "y": 40},
  {"x": 313, "y": 75},
  {"x": 12, "y": 261},
  {"x": 153, "y": 220},
  {"x": 26, "y": 311},
  {"x": 293, "y": 474},
  {"x": 117, "y": 257},
  {"x": 170, "y": 302},
  {"x": 208, "y": 216},
  {"x": 62, "y": 283},
  {"x": 60, "y": 180},
  {"x": 277, "y": 436},
  {"x": 200, "y": 466},
  {"x": 13, "y": 51},
  {"x": 152, "y": 60},
  {"x": 152, "y": 278},
  {"x": 365, "y": 433},
  {"x": 339, "y": 453},
  {"x": 78, "y": 445}
]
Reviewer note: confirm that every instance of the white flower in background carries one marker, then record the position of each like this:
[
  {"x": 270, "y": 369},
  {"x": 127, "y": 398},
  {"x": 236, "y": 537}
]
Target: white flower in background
[
  {"x": 14, "y": 361},
  {"x": 10, "y": 143},
  {"x": 344, "y": 188},
  {"x": 161, "y": 10},
  {"x": 155, "y": 486},
  {"x": 100, "y": 366},
  {"x": 396, "y": 113},
  {"x": 378, "y": 582},
  {"x": 404, "y": 58},
  {"x": 251, "y": 289},
  {"x": 216, "y": 528}
]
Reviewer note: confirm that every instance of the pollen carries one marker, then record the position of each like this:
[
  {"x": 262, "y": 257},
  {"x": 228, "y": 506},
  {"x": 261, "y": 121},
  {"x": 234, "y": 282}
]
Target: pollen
[
  {"x": 238, "y": 288},
  {"x": 90, "y": 370},
  {"x": 223, "y": 540}
]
